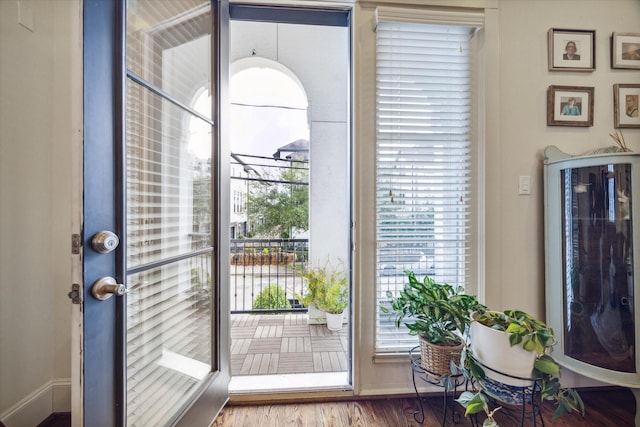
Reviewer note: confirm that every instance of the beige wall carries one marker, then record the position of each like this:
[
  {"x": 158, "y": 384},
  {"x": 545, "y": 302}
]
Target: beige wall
[
  {"x": 35, "y": 208},
  {"x": 524, "y": 79},
  {"x": 39, "y": 116}
]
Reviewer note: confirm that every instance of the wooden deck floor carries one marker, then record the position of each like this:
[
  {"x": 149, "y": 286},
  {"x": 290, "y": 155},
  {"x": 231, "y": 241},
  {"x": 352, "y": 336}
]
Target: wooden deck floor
[{"x": 285, "y": 344}]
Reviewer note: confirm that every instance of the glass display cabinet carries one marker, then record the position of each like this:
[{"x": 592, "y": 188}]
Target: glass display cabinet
[{"x": 591, "y": 202}]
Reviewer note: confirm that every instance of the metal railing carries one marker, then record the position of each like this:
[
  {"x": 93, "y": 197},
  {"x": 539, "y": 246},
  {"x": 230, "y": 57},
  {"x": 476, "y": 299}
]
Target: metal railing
[{"x": 265, "y": 274}]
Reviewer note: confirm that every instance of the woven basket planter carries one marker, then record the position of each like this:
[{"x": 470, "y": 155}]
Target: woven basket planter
[{"x": 436, "y": 359}]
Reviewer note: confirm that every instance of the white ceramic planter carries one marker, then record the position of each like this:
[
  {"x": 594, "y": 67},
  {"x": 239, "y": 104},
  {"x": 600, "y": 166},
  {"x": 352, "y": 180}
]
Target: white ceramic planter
[
  {"x": 493, "y": 349},
  {"x": 334, "y": 321}
]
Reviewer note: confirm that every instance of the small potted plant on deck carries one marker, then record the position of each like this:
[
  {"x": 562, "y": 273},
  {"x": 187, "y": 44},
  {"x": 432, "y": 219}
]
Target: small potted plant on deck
[
  {"x": 313, "y": 282},
  {"x": 439, "y": 314},
  {"x": 333, "y": 300},
  {"x": 326, "y": 293}
]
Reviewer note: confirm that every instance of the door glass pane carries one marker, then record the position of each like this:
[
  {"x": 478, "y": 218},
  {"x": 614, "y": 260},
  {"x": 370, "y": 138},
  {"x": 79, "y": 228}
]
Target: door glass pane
[
  {"x": 168, "y": 184},
  {"x": 598, "y": 254},
  {"x": 168, "y": 208},
  {"x": 168, "y": 44},
  {"x": 168, "y": 338}
]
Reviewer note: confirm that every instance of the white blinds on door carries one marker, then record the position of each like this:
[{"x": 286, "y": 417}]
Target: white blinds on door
[
  {"x": 168, "y": 209},
  {"x": 424, "y": 158}
]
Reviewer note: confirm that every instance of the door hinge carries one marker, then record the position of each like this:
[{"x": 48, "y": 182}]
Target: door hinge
[
  {"x": 74, "y": 295},
  {"x": 76, "y": 243}
]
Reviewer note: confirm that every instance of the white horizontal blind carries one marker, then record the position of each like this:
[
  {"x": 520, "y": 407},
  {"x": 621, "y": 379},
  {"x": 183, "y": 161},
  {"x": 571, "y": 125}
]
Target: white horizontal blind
[{"x": 424, "y": 119}]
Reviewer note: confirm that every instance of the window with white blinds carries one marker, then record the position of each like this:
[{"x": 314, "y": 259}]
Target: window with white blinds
[{"x": 424, "y": 161}]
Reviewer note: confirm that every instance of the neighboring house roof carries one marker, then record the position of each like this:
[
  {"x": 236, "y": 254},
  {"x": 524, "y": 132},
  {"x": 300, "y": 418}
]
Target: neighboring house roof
[{"x": 297, "y": 146}]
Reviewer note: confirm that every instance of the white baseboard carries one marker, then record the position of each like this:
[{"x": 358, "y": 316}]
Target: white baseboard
[
  {"x": 62, "y": 396},
  {"x": 55, "y": 396}
]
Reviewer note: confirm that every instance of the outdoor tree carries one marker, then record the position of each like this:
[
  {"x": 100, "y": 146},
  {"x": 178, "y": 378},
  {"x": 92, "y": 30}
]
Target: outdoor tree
[
  {"x": 279, "y": 206},
  {"x": 201, "y": 207}
]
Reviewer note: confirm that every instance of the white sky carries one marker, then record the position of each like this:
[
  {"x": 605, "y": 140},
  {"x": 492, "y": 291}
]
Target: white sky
[{"x": 254, "y": 130}]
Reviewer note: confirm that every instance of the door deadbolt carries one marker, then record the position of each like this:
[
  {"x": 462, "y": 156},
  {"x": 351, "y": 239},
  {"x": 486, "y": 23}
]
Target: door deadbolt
[
  {"x": 105, "y": 241},
  {"x": 107, "y": 287}
]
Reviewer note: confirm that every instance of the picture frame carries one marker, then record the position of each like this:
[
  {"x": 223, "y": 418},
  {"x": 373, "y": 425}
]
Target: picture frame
[
  {"x": 626, "y": 105},
  {"x": 572, "y": 50},
  {"x": 570, "y": 106},
  {"x": 625, "y": 50}
]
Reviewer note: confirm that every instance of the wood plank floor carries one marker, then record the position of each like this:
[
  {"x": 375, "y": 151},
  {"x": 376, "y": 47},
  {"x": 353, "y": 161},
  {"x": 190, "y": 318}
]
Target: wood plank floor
[
  {"x": 284, "y": 344},
  {"x": 605, "y": 407}
]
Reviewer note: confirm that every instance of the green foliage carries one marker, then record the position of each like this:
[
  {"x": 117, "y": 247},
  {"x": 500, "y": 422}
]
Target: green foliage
[
  {"x": 200, "y": 279},
  {"x": 474, "y": 403},
  {"x": 273, "y": 297},
  {"x": 201, "y": 200},
  {"x": 277, "y": 209},
  {"x": 437, "y": 312},
  {"x": 533, "y": 335},
  {"x": 334, "y": 298},
  {"x": 326, "y": 288}
]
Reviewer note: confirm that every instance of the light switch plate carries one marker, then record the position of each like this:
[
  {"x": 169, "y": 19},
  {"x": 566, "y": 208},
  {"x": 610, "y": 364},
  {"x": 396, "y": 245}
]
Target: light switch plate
[{"x": 524, "y": 185}]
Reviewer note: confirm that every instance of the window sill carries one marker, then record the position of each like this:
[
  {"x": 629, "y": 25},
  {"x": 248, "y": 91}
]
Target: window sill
[{"x": 391, "y": 357}]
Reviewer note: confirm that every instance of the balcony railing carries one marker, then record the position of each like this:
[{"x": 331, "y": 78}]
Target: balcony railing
[{"x": 258, "y": 263}]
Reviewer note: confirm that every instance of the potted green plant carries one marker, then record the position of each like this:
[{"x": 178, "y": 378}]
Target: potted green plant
[
  {"x": 439, "y": 314},
  {"x": 516, "y": 344},
  {"x": 313, "y": 279},
  {"x": 326, "y": 292},
  {"x": 333, "y": 299}
]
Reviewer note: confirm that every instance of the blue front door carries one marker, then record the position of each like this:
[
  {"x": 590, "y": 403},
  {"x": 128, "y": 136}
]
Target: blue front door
[{"x": 154, "y": 350}]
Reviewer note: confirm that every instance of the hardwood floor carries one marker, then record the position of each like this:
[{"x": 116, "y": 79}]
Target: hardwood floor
[
  {"x": 57, "y": 419},
  {"x": 605, "y": 407}
]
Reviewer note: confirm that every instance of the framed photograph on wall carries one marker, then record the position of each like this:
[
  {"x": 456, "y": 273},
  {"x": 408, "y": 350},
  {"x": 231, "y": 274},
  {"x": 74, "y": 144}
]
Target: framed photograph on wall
[
  {"x": 625, "y": 50},
  {"x": 570, "y": 106},
  {"x": 626, "y": 104},
  {"x": 572, "y": 50}
]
